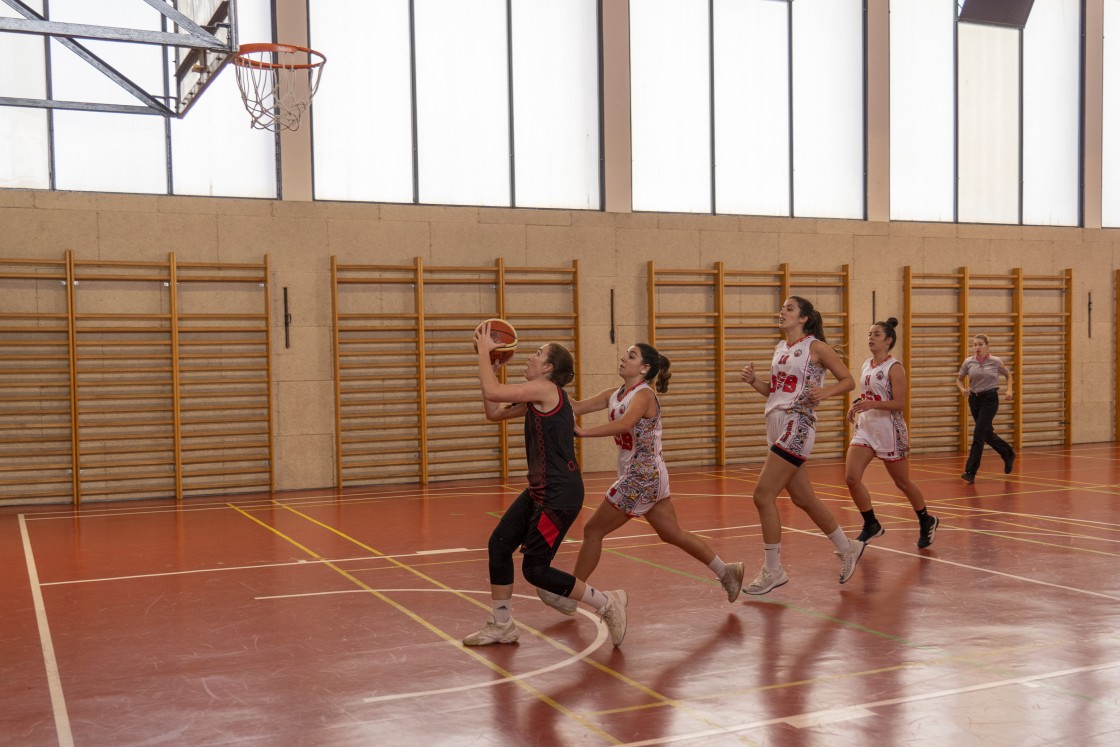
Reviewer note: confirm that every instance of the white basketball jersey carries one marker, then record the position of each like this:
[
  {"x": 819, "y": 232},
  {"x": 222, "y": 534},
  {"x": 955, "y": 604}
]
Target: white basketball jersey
[
  {"x": 875, "y": 382},
  {"x": 643, "y": 441},
  {"x": 882, "y": 430},
  {"x": 791, "y": 372}
]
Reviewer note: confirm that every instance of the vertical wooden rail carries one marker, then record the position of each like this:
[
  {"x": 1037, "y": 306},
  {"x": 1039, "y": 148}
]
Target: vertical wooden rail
[
  {"x": 907, "y": 339},
  {"x": 1017, "y": 344},
  {"x": 176, "y": 398},
  {"x": 75, "y": 441},
  {"x": 651, "y": 303},
  {"x": 577, "y": 336},
  {"x": 268, "y": 373},
  {"x": 1068, "y": 430},
  {"x": 1116, "y": 353},
  {"x": 964, "y": 437},
  {"x": 721, "y": 356},
  {"x": 337, "y": 376},
  {"x": 846, "y": 305},
  {"x": 786, "y": 281},
  {"x": 503, "y": 426},
  {"x": 421, "y": 378}
]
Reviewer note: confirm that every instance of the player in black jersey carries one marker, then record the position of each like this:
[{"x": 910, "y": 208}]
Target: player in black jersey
[{"x": 538, "y": 519}]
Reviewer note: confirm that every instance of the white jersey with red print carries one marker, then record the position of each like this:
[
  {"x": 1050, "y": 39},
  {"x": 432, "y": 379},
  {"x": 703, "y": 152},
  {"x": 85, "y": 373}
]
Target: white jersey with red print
[
  {"x": 643, "y": 478},
  {"x": 881, "y": 430},
  {"x": 791, "y": 373}
]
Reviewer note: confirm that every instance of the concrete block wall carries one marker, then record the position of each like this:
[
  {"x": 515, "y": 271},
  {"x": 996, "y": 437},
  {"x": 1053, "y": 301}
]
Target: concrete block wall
[{"x": 612, "y": 250}]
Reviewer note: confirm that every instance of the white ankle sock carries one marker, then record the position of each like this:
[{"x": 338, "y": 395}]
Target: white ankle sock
[
  {"x": 718, "y": 567},
  {"x": 596, "y": 599},
  {"x": 840, "y": 539},
  {"x": 773, "y": 555},
  {"x": 502, "y": 610}
]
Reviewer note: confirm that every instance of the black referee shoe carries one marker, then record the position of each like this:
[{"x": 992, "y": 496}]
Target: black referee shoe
[{"x": 1007, "y": 462}]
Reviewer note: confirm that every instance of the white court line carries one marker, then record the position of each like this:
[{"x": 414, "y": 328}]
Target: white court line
[
  {"x": 974, "y": 568},
  {"x": 600, "y": 639},
  {"x": 54, "y": 682},
  {"x": 308, "y": 563},
  {"x": 832, "y": 715}
]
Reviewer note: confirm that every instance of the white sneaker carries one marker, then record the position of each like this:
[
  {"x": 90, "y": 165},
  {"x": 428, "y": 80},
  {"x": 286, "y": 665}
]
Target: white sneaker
[
  {"x": 567, "y": 605},
  {"x": 765, "y": 581},
  {"x": 493, "y": 633},
  {"x": 732, "y": 581},
  {"x": 849, "y": 559},
  {"x": 614, "y": 615}
]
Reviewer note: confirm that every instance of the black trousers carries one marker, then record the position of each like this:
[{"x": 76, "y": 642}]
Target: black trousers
[{"x": 984, "y": 407}]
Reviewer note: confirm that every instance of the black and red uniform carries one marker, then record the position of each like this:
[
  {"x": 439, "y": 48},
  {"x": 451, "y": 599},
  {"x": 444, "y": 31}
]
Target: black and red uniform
[{"x": 540, "y": 517}]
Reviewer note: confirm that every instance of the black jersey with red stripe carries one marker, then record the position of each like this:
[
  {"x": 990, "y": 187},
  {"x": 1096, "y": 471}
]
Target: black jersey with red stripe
[{"x": 550, "y": 448}]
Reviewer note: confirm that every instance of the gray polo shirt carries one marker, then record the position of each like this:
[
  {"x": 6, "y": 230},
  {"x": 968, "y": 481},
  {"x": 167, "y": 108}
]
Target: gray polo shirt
[{"x": 983, "y": 375}]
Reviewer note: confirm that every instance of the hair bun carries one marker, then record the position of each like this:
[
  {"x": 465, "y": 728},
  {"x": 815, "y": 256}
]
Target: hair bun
[{"x": 893, "y": 322}]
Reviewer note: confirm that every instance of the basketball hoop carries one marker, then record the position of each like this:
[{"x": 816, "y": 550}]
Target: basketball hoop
[{"x": 270, "y": 77}]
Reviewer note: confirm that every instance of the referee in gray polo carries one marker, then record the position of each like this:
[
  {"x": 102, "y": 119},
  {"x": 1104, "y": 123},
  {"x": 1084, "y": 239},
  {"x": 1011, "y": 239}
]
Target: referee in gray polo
[{"x": 983, "y": 371}]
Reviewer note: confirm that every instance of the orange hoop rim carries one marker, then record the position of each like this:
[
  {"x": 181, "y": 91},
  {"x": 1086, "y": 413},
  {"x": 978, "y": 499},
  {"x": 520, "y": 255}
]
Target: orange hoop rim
[{"x": 241, "y": 60}]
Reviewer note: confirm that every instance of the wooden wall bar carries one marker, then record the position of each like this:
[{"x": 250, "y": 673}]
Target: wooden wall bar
[
  {"x": 1028, "y": 320},
  {"x": 406, "y": 378},
  {"x": 152, "y": 379},
  {"x": 37, "y": 450},
  {"x": 711, "y": 323}
]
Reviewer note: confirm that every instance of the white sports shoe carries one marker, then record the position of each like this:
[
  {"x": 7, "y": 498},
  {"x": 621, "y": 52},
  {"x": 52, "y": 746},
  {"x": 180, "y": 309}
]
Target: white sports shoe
[
  {"x": 567, "y": 605},
  {"x": 765, "y": 581},
  {"x": 849, "y": 559},
  {"x": 732, "y": 581},
  {"x": 493, "y": 633},
  {"x": 614, "y": 615}
]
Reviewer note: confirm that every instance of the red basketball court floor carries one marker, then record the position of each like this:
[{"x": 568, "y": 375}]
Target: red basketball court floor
[{"x": 313, "y": 619}]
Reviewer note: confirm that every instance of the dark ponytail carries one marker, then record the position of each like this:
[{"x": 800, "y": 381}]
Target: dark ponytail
[
  {"x": 888, "y": 330},
  {"x": 814, "y": 324},
  {"x": 563, "y": 365},
  {"x": 658, "y": 366}
]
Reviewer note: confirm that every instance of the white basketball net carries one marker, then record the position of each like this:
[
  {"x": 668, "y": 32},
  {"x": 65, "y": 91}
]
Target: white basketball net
[{"x": 277, "y": 83}]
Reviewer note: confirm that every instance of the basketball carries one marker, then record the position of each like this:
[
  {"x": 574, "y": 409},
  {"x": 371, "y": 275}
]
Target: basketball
[{"x": 502, "y": 332}]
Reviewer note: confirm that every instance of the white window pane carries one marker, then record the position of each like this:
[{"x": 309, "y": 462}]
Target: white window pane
[
  {"x": 828, "y": 108},
  {"x": 74, "y": 79},
  {"x": 214, "y": 151},
  {"x": 752, "y": 107},
  {"x": 556, "y": 103},
  {"x": 24, "y": 161},
  {"x": 1051, "y": 106},
  {"x": 102, "y": 152},
  {"x": 988, "y": 116},
  {"x": 462, "y": 102},
  {"x": 922, "y": 109},
  {"x": 363, "y": 111},
  {"x": 1110, "y": 150},
  {"x": 670, "y": 106}
]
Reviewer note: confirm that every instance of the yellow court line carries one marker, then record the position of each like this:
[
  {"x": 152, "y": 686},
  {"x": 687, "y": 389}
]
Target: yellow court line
[
  {"x": 557, "y": 644},
  {"x": 424, "y": 623}
]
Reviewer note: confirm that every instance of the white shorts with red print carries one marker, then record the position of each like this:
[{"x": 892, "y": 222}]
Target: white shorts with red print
[{"x": 792, "y": 432}]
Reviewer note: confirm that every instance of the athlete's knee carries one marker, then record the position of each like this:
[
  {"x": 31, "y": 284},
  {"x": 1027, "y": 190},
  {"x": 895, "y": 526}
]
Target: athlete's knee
[
  {"x": 804, "y": 502},
  {"x": 670, "y": 535},
  {"x": 595, "y": 530},
  {"x": 764, "y": 498},
  {"x": 540, "y": 573},
  {"x": 853, "y": 479},
  {"x": 501, "y": 542}
]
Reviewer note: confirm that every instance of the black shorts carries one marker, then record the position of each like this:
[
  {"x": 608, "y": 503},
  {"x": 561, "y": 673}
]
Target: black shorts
[{"x": 544, "y": 526}]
